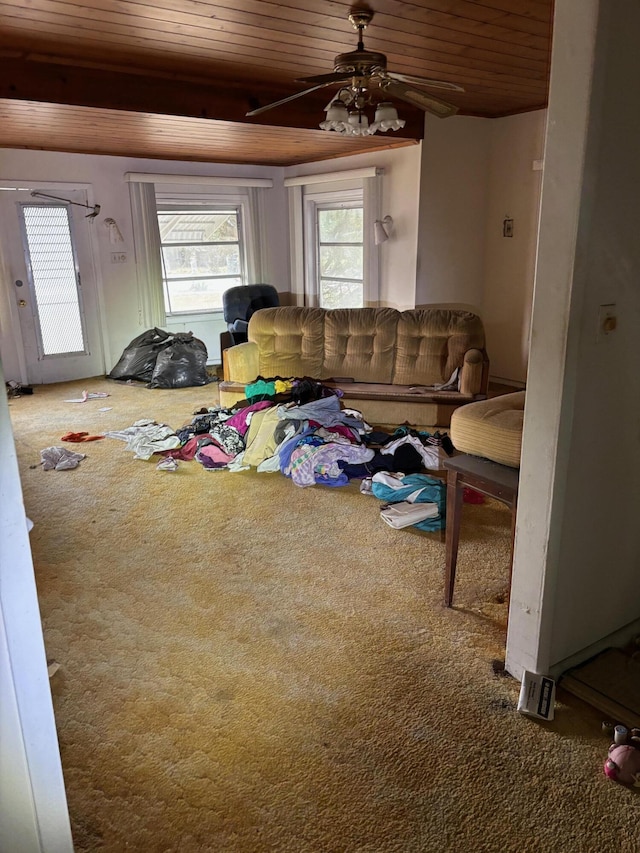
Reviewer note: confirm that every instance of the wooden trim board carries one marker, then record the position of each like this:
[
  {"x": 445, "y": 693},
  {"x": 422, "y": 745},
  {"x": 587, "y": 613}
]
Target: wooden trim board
[{"x": 609, "y": 682}]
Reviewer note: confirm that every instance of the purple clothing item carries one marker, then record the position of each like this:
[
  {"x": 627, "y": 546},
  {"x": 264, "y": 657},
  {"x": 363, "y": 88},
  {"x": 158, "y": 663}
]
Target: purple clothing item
[
  {"x": 212, "y": 456},
  {"x": 310, "y": 464},
  {"x": 286, "y": 449},
  {"x": 239, "y": 420},
  {"x": 345, "y": 432},
  {"x": 341, "y": 480}
]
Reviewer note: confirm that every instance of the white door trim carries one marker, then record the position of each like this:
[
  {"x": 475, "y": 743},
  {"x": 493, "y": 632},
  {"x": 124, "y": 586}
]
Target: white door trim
[{"x": 13, "y": 330}]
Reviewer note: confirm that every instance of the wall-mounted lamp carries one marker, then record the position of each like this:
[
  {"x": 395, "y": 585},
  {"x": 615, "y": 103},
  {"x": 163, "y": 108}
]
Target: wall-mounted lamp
[
  {"x": 115, "y": 235},
  {"x": 382, "y": 229}
]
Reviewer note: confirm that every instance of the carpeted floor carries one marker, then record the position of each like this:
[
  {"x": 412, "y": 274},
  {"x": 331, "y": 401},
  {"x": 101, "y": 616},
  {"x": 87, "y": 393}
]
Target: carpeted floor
[{"x": 248, "y": 666}]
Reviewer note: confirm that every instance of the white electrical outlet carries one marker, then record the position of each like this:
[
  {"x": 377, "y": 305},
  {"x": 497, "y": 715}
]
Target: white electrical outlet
[{"x": 118, "y": 257}]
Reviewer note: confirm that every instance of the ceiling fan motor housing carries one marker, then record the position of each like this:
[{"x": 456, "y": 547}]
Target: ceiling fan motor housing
[{"x": 362, "y": 63}]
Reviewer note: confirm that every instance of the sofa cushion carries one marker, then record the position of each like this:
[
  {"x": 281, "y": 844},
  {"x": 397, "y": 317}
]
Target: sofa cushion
[
  {"x": 290, "y": 341},
  {"x": 431, "y": 343},
  {"x": 359, "y": 343},
  {"x": 491, "y": 428}
]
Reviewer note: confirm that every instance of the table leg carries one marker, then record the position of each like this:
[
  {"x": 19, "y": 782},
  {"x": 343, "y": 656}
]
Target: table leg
[{"x": 454, "y": 510}]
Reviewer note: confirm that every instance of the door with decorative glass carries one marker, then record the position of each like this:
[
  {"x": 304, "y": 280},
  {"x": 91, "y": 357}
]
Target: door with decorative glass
[{"x": 47, "y": 246}]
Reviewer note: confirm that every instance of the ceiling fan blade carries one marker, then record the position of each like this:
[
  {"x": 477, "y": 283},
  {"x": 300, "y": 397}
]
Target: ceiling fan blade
[
  {"x": 334, "y": 77},
  {"x": 286, "y": 100},
  {"x": 424, "y": 81},
  {"x": 417, "y": 98}
]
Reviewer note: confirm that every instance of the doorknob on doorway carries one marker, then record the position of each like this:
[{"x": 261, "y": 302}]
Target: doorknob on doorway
[{"x": 22, "y": 303}]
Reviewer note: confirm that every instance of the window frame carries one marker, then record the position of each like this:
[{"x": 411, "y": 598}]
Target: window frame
[
  {"x": 211, "y": 204},
  {"x": 318, "y": 244},
  {"x": 330, "y": 200}
]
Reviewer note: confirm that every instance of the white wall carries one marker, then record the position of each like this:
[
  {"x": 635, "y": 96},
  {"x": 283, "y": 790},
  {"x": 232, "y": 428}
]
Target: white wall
[
  {"x": 121, "y": 320},
  {"x": 575, "y": 580},
  {"x": 454, "y": 186},
  {"x": 33, "y": 807},
  {"x": 514, "y": 192},
  {"x": 475, "y": 172},
  {"x": 400, "y": 199}
]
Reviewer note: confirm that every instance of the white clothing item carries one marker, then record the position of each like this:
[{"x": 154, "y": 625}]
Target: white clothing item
[
  {"x": 167, "y": 464},
  {"x": 60, "y": 459},
  {"x": 237, "y": 463},
  {"x": 405, "y": 514},
  {"x": 393, "y": 481},
  {"x": 365, "y": 486},
  {"x": 452, "y": 384},
  {"x": 147, "y": 437}
]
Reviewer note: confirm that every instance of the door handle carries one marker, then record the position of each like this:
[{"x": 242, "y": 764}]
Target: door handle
[{"x": 22, "y": 303}]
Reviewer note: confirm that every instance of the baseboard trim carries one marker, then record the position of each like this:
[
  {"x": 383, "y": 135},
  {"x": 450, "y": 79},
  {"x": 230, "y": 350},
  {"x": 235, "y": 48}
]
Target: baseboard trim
[
  {"x": 512, "y": 383},
  {"x": 617, "y": 639}
]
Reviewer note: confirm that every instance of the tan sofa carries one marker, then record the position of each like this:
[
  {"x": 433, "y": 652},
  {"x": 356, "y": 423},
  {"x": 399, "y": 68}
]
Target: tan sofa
[{"x": 386, "y": 362}]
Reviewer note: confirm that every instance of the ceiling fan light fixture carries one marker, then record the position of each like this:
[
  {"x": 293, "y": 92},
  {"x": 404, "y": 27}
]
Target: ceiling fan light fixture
[
  {"x": 386, "y": 118},
  {"x": 337, "y": 112},
  {"x": 358, "y": 124},
  {"x": 365, "y": 74},
  {"x": 337, "y": 117}
]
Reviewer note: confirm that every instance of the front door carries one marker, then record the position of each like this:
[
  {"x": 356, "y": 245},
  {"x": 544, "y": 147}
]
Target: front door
[{"x": 47, "y": 247}]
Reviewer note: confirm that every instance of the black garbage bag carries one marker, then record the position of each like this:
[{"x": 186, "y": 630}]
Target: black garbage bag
[
  {"x": 139, "y": 358},
  {"x": 181, "y": 364}
]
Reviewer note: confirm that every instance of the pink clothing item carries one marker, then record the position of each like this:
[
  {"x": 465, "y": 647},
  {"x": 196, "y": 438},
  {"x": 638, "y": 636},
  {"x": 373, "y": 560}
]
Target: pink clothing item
[
  {"x": 212, "y": 456},
  {"x": 239, "y": 421},
  {"x": 188, "y": 450},
  {"x": 344, "y": 431}
]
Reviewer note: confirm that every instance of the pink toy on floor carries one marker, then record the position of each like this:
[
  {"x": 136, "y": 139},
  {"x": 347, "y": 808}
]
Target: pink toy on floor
[{"x": 623, "y": 764}]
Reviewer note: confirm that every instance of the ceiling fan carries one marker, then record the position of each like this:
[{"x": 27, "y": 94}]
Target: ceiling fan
[{"x": 363, "y": 75}]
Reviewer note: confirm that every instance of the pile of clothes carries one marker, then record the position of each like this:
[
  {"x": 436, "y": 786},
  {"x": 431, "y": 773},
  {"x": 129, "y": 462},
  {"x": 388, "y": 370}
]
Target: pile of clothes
[{"x": 300, "y": 429}]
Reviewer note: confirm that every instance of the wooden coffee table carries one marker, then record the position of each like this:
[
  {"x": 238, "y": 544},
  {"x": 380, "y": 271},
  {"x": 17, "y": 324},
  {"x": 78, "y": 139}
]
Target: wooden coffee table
[{"x": 491, "y": 479}]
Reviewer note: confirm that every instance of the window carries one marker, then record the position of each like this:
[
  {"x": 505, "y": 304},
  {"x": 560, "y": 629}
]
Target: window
[
  {"x": 334, "y": 250},
  {"x": 202, "y": 256},
  {"x": 340, "y": 256},
  {"x": 335, "y": 261}
]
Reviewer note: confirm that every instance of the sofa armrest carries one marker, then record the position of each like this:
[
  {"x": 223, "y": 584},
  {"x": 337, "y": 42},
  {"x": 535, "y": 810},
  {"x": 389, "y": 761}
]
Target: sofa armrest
[
  {"x": 240, "y": 363},
  {"x": 475, "y": 372}
]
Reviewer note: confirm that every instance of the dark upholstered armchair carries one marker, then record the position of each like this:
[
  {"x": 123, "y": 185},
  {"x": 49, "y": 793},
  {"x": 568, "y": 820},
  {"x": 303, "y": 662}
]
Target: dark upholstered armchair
[{"x": 238, "y": 304}]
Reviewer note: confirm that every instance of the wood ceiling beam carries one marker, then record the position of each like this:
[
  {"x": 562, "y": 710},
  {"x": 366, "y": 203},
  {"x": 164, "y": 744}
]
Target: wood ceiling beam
[
  {"x": 145, "y": 93},
  {"x": 90, "y": 130}
]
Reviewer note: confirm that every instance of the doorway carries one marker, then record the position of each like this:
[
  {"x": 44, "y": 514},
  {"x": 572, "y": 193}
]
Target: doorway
[{"x": 51, "y": 284}]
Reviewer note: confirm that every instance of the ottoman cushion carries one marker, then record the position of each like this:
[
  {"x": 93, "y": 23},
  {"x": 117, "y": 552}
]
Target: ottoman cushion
[{"x": 491, "y": 428}]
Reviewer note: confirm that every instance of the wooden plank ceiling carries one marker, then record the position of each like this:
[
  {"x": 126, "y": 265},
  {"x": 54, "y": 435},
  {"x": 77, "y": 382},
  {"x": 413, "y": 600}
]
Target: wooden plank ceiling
[{"x": 173, "y": 79}]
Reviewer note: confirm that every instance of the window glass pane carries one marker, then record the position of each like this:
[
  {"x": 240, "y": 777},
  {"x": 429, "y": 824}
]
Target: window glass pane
[
  {"x": 341, "y": 294},
  {"x": 201, "y": 258},
  {"x": 199, "y": 294},
  {"x": 341, "y": 262},
  {"x": 53, "y": 277},
  {"x": 190, "y": 261},
  {"x": 340, "y": 225},
  {"x": 205, "y": 227},
  {"x": 339, "y": 254}
]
